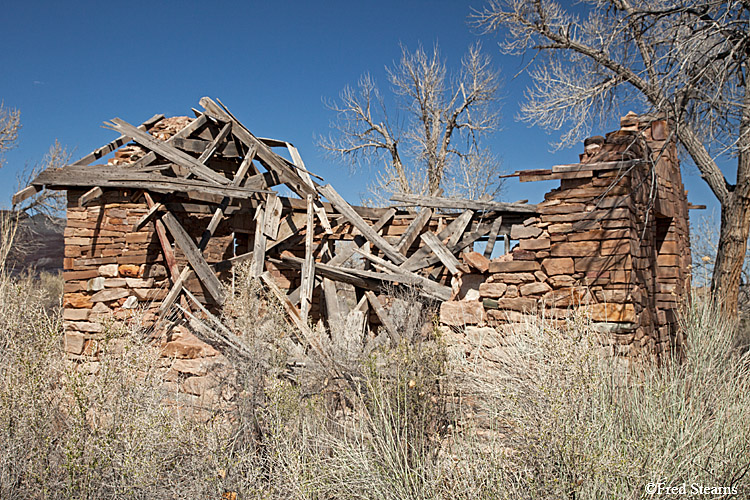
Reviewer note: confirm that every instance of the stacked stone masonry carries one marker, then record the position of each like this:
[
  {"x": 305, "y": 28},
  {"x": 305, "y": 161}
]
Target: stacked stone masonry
[{"x": 611, "y": 244}]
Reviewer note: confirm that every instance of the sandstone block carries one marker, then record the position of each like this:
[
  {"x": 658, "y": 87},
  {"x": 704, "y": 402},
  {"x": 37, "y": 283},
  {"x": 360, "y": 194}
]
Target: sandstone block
[
  {"x": 476, "y": 260},
  {"x": 462, "y": 313},
  {"x": 514, "y": 278},
  {"x": 129, "y": 270},
  {"x": 115, "y": 283},
  {"x": 84, "y": 326},
  {"x": 561, "y": 281},
  {"x": 511, "y": 291},
  {"x": 197, "y": 367},
  {"x": 555, "y": 266},
  {"x": 148, "y": 294},
  {"x": 577, "y": 249},
  {"x": 615, "y": 313},
  {"x": 74, "y": 342},
  {"x": 108, "y": 270},
  {"x": 514, "y": 266},
  {"x": 199, "y": 385},
  {"x": 130, "y": 303},
  {"x": 535, "y": 244},
  {"x": 77, "y": 300},
  {"x": 187, "y": 346},
  {"x": 95, "y": 284},
  {"x": 514, "y": 304},
  {"x": 534, "y": 289},
  {"x": 108, "y": 295},
  {"x": 139, "y": 282},
  {"x": 520, "y": 232},
  {"x": 564, "y": 297},
  {"x": 493, "y": 290},
  {"x": 469, "y": 282},
  {"x": 75, "y": 314},
  {"x": 540, "y": 276}
]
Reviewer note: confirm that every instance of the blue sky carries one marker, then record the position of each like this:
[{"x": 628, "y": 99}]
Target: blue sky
[{"x": 69, "y": 66}]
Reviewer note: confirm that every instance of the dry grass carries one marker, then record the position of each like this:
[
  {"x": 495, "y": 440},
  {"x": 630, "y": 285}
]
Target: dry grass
[{"x": 566, "y": 423}]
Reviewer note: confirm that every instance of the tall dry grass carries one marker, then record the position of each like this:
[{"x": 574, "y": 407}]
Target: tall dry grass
[{"x": 565, "y": 420}]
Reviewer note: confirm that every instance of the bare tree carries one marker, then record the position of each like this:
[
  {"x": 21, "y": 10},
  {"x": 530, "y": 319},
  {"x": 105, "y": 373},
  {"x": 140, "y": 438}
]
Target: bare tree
[
  {"x": 51, "y": 203},
  {"x": 47, "y": 202},
  {"x": 687, "y": 59},
  {"x": 10, "y": 122},
  {"x": 438, "y": 145}
]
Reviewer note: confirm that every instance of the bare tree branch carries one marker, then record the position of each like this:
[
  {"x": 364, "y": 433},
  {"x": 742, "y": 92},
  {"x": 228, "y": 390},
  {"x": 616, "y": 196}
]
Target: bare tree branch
[
  {"x": 446, "y": 117},
  {"x": 684, "y": 58}
]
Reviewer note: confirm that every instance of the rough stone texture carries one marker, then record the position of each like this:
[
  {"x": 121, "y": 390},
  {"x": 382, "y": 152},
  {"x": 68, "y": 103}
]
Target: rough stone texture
[
  {"x": 534, "y": 289},
  {"x": 492, "y": 289},
  {"x": 555, "y": 266},
  {"x": 462, "y": 313},
  {"x": 476, "y": 260},
  {"x": 519, "y": 232}
]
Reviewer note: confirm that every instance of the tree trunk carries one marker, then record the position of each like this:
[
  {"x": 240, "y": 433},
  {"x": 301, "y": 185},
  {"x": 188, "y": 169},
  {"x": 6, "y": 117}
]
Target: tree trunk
[{"x": 735, "y": 225}]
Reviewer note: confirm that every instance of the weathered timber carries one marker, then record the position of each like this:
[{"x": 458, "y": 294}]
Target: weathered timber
[
  {"x": 412, "y": 232},
  {"x": 117, "y": 177},
  {"x": 152, "y": 211},
  {"x": 493, "y": 237},
  {"x": 213, "y": 146},
  {"x": 457, "y": 226},
  {"x": 259, "y": 244},
  {"x": 442, "y": 253},
  {"x": 268, "y": 158},
  {"x": 605, "y": 165},
  {"x": 454, "y": 204},
  {"x": 167, "y": 151},
  {"x": 435, "y": 289},
  {"x": 120, "y": 141},
  {"x": 383, "y": 316},
  {"x": 360, "y": 242},
  {"x": 26, "y": 193},
  {"x": 363, "y": 227},
  {"x": 273, "y": 216},
  {"x": 308, "y": 268},
  {"x": 333, "y": 305},
  {"x": 194, "y": 256}
]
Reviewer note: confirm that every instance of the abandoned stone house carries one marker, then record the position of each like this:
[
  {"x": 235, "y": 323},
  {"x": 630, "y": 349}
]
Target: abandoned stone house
[{"x": 155, "y": 231}]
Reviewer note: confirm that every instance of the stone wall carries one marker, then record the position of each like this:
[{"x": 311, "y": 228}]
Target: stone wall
[{"x": 612, "y": 244}]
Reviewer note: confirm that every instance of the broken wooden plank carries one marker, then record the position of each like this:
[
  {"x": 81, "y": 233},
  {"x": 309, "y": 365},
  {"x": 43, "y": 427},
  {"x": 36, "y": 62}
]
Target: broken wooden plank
[
  {"x": 442, "y": 253},
  {"x": 383, "y": 316},
  {"x": 119, "y": 177},
  {"x": 120, "y": 141},
  {"x": 167, "y": 151},
  {"x": 466, "y": 240},
  {"x": 456, "y": 227},
  {"x": 359, "y": 241},
  {"x": 602, "y": 165},
  {"x": 161, "y": 233},
  {"x": 213, "y": 146},
  {"x": 412, "y": 232},
  {"x": 26, "y": 193},
  {"x": 333, "y": 305},
  {"x": 308, "y": 268},
  {"x": 454, "y": 204},
  {"x": 493, "y": 237},
  {"x": 89, "y": 196},
  {"x": 199, "y": 121},
  {"x": 347, "y": 211},
  {"x": 437, "y": 290},
  {"x": 259, "y": 244},
  {"x": 227, "y": 149},
  {"x": 273, "y": 216},
  {"x": 268, "y": 158},
  {"x": 195, "y": 257}
]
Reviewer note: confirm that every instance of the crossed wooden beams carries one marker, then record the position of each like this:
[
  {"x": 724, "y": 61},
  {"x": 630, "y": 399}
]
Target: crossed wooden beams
[{"x": 170, "y": 169}]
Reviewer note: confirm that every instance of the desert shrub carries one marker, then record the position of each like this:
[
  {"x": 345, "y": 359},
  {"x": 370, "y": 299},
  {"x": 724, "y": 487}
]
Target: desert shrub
[{"x": 581, "y": 424}]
